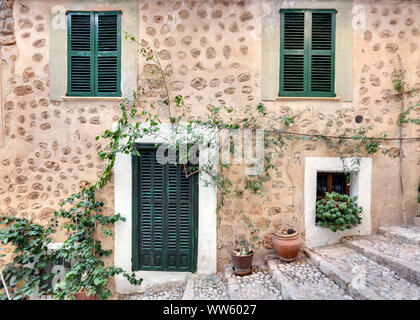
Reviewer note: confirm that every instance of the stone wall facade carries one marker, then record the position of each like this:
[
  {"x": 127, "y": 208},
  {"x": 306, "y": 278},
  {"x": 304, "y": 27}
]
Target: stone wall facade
[{"x": 212, "y": 51}]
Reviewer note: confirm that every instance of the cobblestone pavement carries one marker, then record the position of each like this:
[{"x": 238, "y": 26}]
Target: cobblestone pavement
[
  {"x": 385, "y": 266},
  {"x": 170, "y": 291},
  {"x": 209, "y": 288},
  {"x": 257, "y": 286}
]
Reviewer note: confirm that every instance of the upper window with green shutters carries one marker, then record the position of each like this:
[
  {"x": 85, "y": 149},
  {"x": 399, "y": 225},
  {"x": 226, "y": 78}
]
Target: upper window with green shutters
[
  {"x": 94, "y": 54},
  {"x": 307, "y": 53}
]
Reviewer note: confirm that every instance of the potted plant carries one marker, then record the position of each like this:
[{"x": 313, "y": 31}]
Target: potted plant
[
  {"x": 243, "y": 252},
  {"x": 338, "y": 212},
  {"x": 286, "y": 240},
  {"x": 287, "y": 244},
  {"x": 242, "y": 258}
]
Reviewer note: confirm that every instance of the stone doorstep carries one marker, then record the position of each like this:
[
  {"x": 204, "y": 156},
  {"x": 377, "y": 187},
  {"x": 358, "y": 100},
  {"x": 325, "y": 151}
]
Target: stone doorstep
[
  {"x": 407, "y": 234},
  {"x": 188, "y": 290},
  {"x": 341, "y": 276},
  {"x": 403, "y": 267}
]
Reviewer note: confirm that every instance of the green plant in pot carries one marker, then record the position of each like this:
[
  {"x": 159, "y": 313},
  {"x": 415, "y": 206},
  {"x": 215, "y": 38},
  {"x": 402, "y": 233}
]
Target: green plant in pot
[
  {"x": 338, "y": 212},
  {"x": 243, "y": 252}
]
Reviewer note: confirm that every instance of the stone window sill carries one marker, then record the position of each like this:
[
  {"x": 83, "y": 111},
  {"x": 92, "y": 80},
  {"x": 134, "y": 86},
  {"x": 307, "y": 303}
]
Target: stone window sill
[
  {"x": 119, "y": 99},
  {"x": 336, "y": 98}
]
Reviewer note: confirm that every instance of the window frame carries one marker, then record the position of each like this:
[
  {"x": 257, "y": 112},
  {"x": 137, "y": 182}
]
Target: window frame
[
  {"x": 329, "y": 176},
  {"x": 307, "y": 52},
  {"x": 94, "y": 54}
]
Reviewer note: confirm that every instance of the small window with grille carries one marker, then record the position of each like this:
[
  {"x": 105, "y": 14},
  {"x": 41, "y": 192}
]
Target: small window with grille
[{"x": 329, "y": 182}]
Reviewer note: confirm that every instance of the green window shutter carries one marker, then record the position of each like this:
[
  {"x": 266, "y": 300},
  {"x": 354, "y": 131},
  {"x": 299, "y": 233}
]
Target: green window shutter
[
  {"x": 307, "y": 53},
  {"x": 108, "y": 55},
  {"x": 94, "y": 54},
  {"x": 165, "y": 216},
  {"x": 322, "y": 48},
  {"x": 80, "y": 58},
  {"x": 292, "y": 57}
]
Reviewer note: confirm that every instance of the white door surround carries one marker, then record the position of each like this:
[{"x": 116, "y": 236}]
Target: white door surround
[{"x": 207, "y": 221}]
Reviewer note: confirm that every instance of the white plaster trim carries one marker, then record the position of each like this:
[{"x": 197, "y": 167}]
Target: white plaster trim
[
  {"x": 360, "y": 186},
  {"x": 207, "y": 220}
]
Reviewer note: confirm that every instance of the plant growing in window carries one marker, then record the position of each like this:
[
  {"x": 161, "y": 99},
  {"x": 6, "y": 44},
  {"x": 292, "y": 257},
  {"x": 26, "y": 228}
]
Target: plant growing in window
[{"x": 338, "y": 212}]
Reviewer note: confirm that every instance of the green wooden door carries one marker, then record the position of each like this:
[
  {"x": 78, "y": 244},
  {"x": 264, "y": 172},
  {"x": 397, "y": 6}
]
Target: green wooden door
[{"x": 165, "y": 214}]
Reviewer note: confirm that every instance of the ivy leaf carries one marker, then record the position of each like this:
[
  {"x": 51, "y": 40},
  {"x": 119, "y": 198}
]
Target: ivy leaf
[
  {"x": 45, "y": 276},
  {"x": 40, "y": 265}
]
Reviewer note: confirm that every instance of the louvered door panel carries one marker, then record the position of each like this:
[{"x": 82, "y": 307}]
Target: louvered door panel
[
  {"x": 166, "y": 212},
  {"x": 185, "y": 223},
  {"x": 151, "y": 212},
  {"x": 80, "y": 54},
  {"x": 292, "y": 64},
  {"x": 321, "y": 78},
  {"x": 173, "y": 199},
  {"x": 108, "y": 53},
  {"x": 146, "y": 208},
  {"x": 180, "y": 219}
]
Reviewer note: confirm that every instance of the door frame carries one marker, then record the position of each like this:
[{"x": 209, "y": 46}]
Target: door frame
[{"x": 207, "y": 216}]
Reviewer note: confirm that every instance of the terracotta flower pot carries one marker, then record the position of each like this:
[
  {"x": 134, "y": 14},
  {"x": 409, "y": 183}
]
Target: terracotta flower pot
[
  {"x": 82, "y": 295},
  {"x": 242, "y": 264},
  {"x": 287, "y": 246}
]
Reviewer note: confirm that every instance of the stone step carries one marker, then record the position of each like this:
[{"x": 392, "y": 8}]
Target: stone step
[
  {"x": 403, "y": 258},
  {"x": 416, "y": 221},
  {"x": 361, "y": 277},
  {"x": 408, "y": 234},
  {"x": 302, "y": 280}
]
